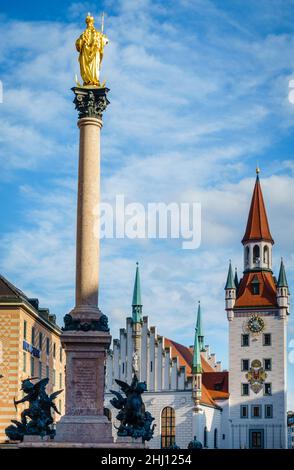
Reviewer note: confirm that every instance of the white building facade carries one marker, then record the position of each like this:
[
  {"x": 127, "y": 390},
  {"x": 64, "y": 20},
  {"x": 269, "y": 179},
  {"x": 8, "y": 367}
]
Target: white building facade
[{"x": 164, "y": 366}]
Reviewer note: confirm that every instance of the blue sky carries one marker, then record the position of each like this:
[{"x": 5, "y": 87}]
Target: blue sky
[{"x": 199, "y": 95}]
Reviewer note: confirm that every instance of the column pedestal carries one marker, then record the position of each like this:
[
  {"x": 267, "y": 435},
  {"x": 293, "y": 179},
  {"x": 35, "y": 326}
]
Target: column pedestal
[{"x": 84, "y": 419}]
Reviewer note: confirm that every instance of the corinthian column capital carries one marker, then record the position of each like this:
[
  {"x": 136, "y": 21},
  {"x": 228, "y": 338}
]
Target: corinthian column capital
[{"x": 90, "y": 102}]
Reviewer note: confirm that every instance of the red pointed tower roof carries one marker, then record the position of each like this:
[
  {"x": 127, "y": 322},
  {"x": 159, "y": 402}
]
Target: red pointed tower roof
[{"x": 257, "y": 225}]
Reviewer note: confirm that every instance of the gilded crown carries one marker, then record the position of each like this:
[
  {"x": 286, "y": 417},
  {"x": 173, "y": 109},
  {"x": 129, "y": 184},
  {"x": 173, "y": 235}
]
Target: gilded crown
[{"x": 89, "y": 18}]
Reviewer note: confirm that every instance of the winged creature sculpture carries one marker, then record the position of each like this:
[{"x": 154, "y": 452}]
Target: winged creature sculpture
[
  {"x": 37, "y": 418},
  {"x": 135, "y": 421}
]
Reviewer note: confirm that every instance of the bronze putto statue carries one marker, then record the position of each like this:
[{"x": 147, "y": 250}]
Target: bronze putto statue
[{"x": 37, "y": 419}]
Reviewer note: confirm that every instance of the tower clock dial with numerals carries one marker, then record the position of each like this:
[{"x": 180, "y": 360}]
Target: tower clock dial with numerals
[{"x": 255, "y": 324}]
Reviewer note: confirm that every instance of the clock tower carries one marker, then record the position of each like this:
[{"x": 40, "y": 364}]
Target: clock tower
[{"x": 257, "y": 309}]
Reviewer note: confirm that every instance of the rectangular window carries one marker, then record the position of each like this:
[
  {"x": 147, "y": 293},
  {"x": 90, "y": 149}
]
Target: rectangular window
[
  {"x": 59, "y": 406},
  {"x": 267, "y": 339},
  {"x": 54, "y": 350},
  {"x": 47, "y": 372},
  {"x": 24, "y": 368},
  {"x": 256, "y": 411},
  {"x": 244, "y": 411},
  {"x": 47, "y": 346},
  {"x": 244, "y": 340},
  {"x": 25, "y": 329},
  {"x": 33, "y": 336},
  {"x": 267, "y": 364},
  {"x": 245, "y": 364},
  {"x": 53, "y": 377},
  {"x": 267, "y": 389},
  {"x": 40, "y": 369},
  {"x": 60, "y": 380},
  {"x": 123, "y": 367},
  {"x": 268, "y": 411},
  {"x": 40, "y": 341},
  {"x": 32, "y": 366},
  {"x": 245, "y": 389},
  {"x": 60, "y": 353},
  {"x": 151, "y": 366},
  {"x": 255, "y": 289}
]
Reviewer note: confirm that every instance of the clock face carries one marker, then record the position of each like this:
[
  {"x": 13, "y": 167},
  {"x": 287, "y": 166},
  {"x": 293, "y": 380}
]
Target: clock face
[{"x": 255, "y": 324}]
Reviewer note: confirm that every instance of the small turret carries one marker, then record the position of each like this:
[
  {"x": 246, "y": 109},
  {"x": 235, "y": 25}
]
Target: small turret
[
  {"x": 196, "y": 371},
  {"x": 283, "y": 292},
  {"x": 230, "y": 289}
]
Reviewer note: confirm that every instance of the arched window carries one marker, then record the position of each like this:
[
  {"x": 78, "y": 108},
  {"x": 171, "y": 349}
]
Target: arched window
[
  {"x": 205, "y": 437},
  {"x": 266, "y": 256},
  {"x": 256, "y": 254},
  {"x": 168, "y": 427},
  {"x": 215, "y": 439},
  {"x": 247, "y": 256},
  {"x": 107, "y": 413}
]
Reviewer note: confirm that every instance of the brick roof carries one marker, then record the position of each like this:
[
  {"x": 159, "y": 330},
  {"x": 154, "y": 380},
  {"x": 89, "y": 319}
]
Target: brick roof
[{"x": 257, "y": 225}]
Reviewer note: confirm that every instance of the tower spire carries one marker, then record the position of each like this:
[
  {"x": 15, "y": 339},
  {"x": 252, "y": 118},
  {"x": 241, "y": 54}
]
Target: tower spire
[
  {"x": 257, "y": 224},
  {"x": 196, "y": 364},
  {"x": 230, "y": 284},
  {"x": 200, "y": 328},
  {"x": 137, "y": 302},
  {"x": 196, "y": 370},
  {"x": 282, "y": 281}
]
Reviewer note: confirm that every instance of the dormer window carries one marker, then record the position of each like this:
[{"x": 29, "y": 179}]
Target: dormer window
[{"x": 255, "y": 286}]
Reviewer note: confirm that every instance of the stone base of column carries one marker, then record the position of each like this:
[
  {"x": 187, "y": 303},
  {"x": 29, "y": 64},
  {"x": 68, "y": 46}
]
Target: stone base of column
[
  {"x": 84, "y": 429},
  {"x": 84, "y": 420},
  {"x": 86, "y": 314}
]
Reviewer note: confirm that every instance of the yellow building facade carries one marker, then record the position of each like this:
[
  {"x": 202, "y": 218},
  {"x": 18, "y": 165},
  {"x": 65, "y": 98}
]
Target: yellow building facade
[{"x": 30, "y": 346}]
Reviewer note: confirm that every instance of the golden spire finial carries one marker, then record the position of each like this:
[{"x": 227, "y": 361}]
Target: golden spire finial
[{"x": 257, "y": 170}]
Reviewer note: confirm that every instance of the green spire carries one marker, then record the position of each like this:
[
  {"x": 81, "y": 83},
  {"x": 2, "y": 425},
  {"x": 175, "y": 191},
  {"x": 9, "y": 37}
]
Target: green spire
[
  {"x": 230, "y": 284},
  {"x": 236, "y": 280},
  {"x": 200, "y": 328},
  {"x": 282, "y": 281},
  {"x": 137, "y": 303},
  {"x": 196, "y": 364}
]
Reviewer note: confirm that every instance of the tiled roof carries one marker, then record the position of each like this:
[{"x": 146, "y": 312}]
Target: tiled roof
[
  {"x": 257, "y": 225},
  {"x": 210, "y": 378},
  {"x": 217, "y": 383},
  {"x": 267, "y": 290}
]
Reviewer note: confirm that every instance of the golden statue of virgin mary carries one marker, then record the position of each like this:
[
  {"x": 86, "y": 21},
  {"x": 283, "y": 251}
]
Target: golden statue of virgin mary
[{"x": 90, "y": 45}]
